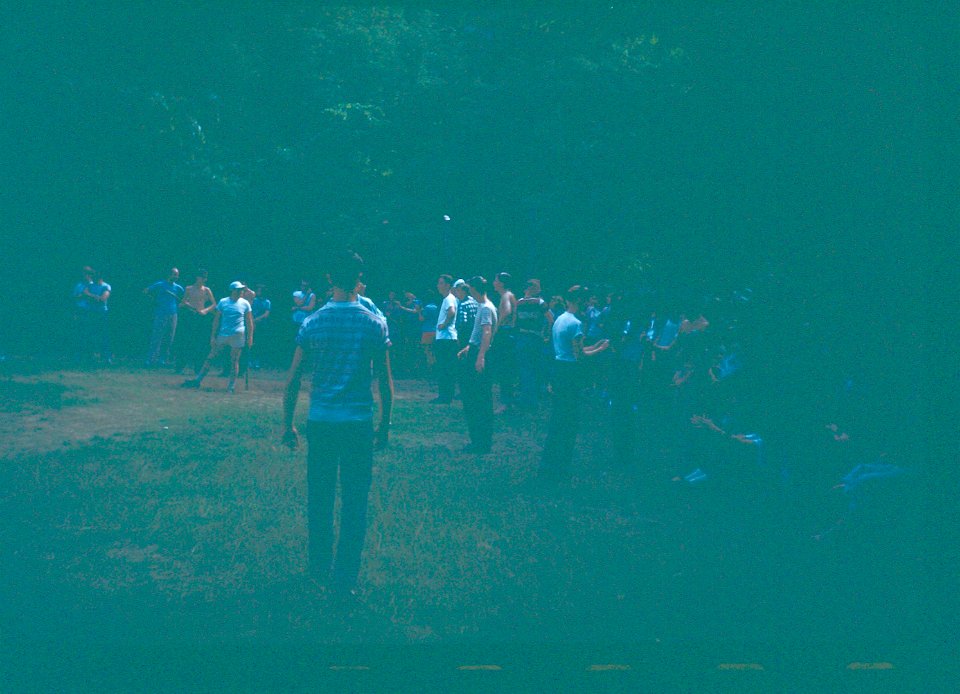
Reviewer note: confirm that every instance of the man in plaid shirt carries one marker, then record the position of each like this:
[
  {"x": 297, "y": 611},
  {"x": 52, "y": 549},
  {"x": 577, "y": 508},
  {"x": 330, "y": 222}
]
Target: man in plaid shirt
[{"x": 344, "y": 343}]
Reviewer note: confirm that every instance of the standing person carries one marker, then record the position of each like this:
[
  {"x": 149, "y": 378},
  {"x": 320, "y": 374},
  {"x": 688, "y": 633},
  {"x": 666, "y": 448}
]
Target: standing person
[
  {"x": 506, "y": 350},
  {"x": 81, "y": 314},
  {"x": 344, "y": 344},
  {"x": 304, "y": 303},
  {"x": 166, "y": 295},
  {"x": 233, "y": 328},
  {"x": 466, "y": 312},
  {"x": 567, "y": 334},
  {"x": 445, "y": 344},
  {"x": 533, "y": 326},
  {"x": 476, "y": 387},
  {"x": 428, "y": 334},
  {"x": 98, "y": 293},
  {"x": 261, "y": 306},
  {"x": 193, "y": 323}
]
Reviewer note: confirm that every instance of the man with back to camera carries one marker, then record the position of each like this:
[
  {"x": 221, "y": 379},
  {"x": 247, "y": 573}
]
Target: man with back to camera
[
  {"x": 233, "y": 328},
  {"x": 166, "y": 295},
  {"x": 344, "y": 344}
]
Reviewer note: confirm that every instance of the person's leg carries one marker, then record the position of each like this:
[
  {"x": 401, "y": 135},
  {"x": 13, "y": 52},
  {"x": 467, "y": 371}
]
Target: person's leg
[
  {"x": 484, "y": 412},
  {"x": 505, "y": 356},
  {"x": 156, "y": 340},
  {"x": 201, "y": 374},
  {"x": 469, "y": 396},
  {"x": 562, "y": 433},
  {"x": 234, "y": 367},
  {"x": 356, "y": 466},
  {"x": 103, "y": 337},
  {"x": 169, "y": 334},
  {"x": 323, "y": 449},
  {"x": 527, "y": 355},
  {"x": 446, "y": 361}
]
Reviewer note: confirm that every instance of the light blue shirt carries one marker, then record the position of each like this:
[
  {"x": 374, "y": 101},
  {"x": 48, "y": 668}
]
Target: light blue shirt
[
  {"x": 566, "y": 329},
  {"x": 231, "y": 316}
]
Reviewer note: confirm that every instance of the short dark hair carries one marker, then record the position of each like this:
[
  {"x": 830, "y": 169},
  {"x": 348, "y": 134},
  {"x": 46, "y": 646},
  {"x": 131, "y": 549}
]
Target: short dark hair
[
  {"x": 478, "y": 283},
  {"x": 345, "y": 270},
  {"x": 506, "y": 279},
  {"x": 577, "y": 295},
  {"x": 202, "y": 272},
  {"x": 446, "y": 278}
]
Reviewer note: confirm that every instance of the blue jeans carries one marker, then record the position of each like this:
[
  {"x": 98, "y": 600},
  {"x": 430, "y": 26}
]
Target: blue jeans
[{"x": 347, "y": 447}]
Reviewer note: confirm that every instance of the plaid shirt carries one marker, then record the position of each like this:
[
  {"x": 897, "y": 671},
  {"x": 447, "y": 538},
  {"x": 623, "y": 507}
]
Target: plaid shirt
[{"x": 341, "y": 340}]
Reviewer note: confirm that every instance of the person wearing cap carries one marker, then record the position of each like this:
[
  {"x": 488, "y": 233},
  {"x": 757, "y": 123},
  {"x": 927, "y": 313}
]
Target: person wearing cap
[
  {"x": 466, "y": 312},
  {"x": 475, "y": 386},
  {"x": 233, "y": 328}
]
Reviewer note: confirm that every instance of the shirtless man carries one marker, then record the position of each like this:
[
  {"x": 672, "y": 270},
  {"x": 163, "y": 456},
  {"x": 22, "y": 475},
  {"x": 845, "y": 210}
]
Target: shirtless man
[
  {"x": 195, "y": 307},
  {"x": 505, "y": 350}
]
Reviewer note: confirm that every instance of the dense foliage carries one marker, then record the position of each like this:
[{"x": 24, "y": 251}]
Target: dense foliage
[{"x": 681, "y": 145}]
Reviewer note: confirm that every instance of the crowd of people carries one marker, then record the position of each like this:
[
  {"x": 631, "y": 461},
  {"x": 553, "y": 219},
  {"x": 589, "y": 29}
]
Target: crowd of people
[{"x": 673, "y": 382}]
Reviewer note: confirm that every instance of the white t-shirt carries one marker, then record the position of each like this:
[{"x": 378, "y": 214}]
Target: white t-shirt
[
  {"x": 231, "y": 316},
  {"x": 449, "y": 301}
]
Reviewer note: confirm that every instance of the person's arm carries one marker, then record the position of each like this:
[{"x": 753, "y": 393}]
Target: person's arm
[
  {"x": 291, "y": 393},
  {"x": 589, "y": 351},
  {"x": 248, "y": 323},
  {"x": 312, "y": 304},
  {"x": 449, "y": 318},
  {"x": 381, "y": 367},
  {"x": 209, "y": 303},
  {"x": 485, "y": 337}
]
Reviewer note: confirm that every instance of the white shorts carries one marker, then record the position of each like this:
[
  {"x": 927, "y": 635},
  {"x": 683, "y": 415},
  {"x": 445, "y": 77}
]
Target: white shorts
[{"x": 237, "y": 340}]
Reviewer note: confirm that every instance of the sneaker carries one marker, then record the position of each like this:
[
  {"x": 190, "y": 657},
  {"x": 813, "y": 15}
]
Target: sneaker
[{"x": 230, "y": 388}]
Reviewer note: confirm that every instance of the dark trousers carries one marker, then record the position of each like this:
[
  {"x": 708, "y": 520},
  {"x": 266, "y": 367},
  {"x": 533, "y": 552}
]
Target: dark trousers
[
  {"x": 530, "y": 365},
  {"x": 562, "y": 432},
  {"x": 193, "y": 341},
  {"x": 504, "y": 351},
  {"x": 347, "y": 447},
  {"x": 446, "y": 353},
  {"x": 477, "y": 393}
]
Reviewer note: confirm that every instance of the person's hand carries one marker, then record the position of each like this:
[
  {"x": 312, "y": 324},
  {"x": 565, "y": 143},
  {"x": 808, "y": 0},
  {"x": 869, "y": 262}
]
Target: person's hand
[
  {"x": 250, "y": 343},
  {"x": 481, "y": 363},
  {"x": 291, "y": 438},
  {"x": 381, "y": 438},
  {"x": 463, "y": 352}
]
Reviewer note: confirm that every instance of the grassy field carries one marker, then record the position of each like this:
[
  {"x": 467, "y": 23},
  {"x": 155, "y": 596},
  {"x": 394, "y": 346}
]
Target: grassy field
[{"x": 136, "y": 512}]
